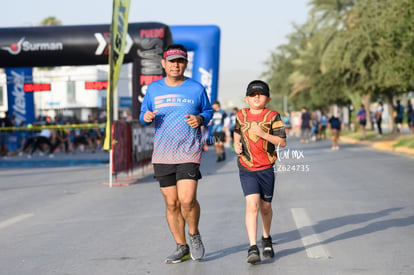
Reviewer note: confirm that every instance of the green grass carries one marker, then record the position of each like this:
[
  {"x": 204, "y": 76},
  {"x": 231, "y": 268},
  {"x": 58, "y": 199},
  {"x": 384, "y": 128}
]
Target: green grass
[{"x": 407, "y": 141}]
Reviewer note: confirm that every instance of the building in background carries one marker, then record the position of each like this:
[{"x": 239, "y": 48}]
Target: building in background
[{"x": 75, "y": 92}]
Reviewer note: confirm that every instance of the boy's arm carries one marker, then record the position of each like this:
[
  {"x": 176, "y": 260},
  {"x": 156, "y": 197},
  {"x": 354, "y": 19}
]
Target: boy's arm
[
  {"x": 276, "y": 140},
  {"x": 276, "y": 135},
  {"x": 238, "y": 147}
]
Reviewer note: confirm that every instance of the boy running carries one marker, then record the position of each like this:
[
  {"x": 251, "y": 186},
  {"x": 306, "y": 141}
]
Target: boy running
[{"x": 257, "y": 132}]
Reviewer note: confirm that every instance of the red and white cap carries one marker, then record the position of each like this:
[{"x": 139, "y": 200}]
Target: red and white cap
[{"x": 175, "y": 54}]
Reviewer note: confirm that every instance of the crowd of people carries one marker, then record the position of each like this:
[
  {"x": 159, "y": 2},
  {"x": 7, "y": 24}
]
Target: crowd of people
[{"x": 72, "y": 136}]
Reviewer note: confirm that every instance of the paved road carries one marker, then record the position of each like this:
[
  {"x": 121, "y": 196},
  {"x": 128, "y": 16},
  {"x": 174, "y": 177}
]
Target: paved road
[{"x": 352, "y": 212}]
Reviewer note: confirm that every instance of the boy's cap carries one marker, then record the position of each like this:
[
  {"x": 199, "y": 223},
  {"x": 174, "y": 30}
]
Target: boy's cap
[
  {"x": 174, "y": 54},
  {"x": 258, "y": 86}
]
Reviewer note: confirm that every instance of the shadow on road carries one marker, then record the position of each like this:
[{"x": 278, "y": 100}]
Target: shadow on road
[{"x": 330, "y": 224}]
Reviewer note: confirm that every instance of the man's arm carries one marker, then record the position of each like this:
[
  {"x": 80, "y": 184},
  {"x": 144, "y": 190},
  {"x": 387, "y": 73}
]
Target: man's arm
[{"x": 206, "y": 109}]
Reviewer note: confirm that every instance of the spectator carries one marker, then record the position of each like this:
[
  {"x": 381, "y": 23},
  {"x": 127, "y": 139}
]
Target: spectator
[
  {"x": 362, "y": 120},
  {"x": 399, "y": 115},
  {"x": 305, "y": 126},
  {"x": 287, "y": 122},
  {"x": 4, "y": 134},
  {"x": 378, "y": 117},
  {"x": 219, "y": 130},
  {"x": 323, "y": 125},
  {"x": 410, "y": 116},
  {"x": 335, "y": 126}
]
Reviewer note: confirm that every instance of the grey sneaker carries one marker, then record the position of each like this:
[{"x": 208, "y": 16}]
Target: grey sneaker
[
  {"x": 180, "y": 254},
  {"x": 197, "y": 247}
]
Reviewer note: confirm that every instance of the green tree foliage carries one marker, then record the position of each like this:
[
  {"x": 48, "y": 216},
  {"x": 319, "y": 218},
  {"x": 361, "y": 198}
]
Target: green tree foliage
[
  {"x": 51, "y": 21},
  {"x": 347, "y": 50}
]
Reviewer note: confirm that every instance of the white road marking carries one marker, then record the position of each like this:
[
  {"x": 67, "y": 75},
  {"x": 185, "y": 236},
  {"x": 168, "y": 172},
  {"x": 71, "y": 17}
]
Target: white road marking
[
  {"x": 14, "y": 220},
  {"x": 309, "y": 238}
]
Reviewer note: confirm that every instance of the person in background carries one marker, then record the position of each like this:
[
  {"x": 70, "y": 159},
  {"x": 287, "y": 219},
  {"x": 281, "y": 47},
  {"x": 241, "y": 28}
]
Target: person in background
[
  {"x": 37, "y": 141},
  {"x": 323, "y": 125},
  {"x": 410, "y": 116},
  {"x": 178, "y": 106},
  {"x": 399, "y": 115},
  {"x": 378, "y": 117},
  {"x": 5, "y": 121},
  {"x": 362, "y": 120},
  {"x": 335, "y": 125},
  {"x": 258, "y": 132},
  {"x": 287, "y": 122},
  {"x": 305, "y": 126},
  {"x": 219, "y": 130},
  {"x": 232, "y": 119}
]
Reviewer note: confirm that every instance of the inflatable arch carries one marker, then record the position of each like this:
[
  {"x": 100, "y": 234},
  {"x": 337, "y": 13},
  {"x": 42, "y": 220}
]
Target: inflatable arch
[
  {"x": 204, "y": 41},
  {"x": 23, "y": 48}
]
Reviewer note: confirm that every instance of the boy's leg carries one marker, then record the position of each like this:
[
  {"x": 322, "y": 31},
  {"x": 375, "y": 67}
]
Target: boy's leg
[
  {"x": 267, "y": 214},
  {"x": 252, "y": 211}
]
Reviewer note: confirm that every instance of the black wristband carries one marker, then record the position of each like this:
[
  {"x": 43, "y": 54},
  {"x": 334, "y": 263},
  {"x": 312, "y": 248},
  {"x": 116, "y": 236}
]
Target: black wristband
[{"x": 202, "y": 119}]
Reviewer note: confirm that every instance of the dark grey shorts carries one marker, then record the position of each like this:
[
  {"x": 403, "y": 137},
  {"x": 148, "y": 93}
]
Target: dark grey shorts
[{"x": 258, "y": 182}]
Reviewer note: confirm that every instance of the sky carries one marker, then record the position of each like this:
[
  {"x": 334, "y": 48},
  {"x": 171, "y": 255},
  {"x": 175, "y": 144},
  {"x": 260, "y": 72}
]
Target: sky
[{"x": 250, "y": 30}]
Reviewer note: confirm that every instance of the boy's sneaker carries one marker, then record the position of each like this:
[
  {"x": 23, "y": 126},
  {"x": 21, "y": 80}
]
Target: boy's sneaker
[
  {"x": 180, "y": 254},
  {"x": 267, "y": 248},
  {"x": 197, "y": 247},
  {"x": 253, "y": 255}
]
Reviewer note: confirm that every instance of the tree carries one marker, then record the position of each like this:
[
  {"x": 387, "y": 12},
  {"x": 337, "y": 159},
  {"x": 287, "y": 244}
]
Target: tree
[{"x": 51, "y": 21}]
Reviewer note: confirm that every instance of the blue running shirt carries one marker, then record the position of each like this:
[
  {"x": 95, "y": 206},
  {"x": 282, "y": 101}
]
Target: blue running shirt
[{"x": 174, "y": 140}]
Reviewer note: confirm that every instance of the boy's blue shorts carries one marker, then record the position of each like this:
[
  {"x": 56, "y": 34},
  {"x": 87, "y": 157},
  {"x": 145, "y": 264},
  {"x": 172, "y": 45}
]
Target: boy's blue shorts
[{"x": 258, "y": 182}]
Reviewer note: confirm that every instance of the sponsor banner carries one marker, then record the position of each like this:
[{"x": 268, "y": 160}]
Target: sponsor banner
[
  {"x": 125, "y": 102},
  {"x": 119, "y": 30},
  {"x": 20, "y": 103},
  {"x": 147, "y": 68},
  {"x": 67, "y": 45},
  {"x": 142, "y": 143}
]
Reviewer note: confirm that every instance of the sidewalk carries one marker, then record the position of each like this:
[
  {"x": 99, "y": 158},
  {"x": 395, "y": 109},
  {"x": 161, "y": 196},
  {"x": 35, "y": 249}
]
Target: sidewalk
[
  {"x": 383, "y": 145},
  {"x": 59, "y": 159}
]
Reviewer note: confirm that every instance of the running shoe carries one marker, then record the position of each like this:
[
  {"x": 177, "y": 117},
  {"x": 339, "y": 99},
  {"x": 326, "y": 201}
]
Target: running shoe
[
  {"x": 180, "y": 254},
  {"x": 197, "y": 247},
  {"x": 267, "y": 248},
  {"x": 253, "y": 255}
]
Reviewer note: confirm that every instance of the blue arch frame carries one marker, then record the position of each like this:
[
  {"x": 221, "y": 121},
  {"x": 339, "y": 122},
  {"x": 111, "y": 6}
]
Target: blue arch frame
[{"x": 204, "y": 41}]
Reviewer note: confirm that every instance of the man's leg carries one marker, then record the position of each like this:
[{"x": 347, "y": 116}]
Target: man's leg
[
  {"x": 173, "y": 214},
  {"x": 190, "y": 208}
]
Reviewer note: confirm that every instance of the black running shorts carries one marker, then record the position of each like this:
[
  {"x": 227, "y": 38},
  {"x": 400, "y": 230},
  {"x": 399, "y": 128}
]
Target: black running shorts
[
  {"x": 169, "y": 174},
  {"x": 219, "y": 137}
]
